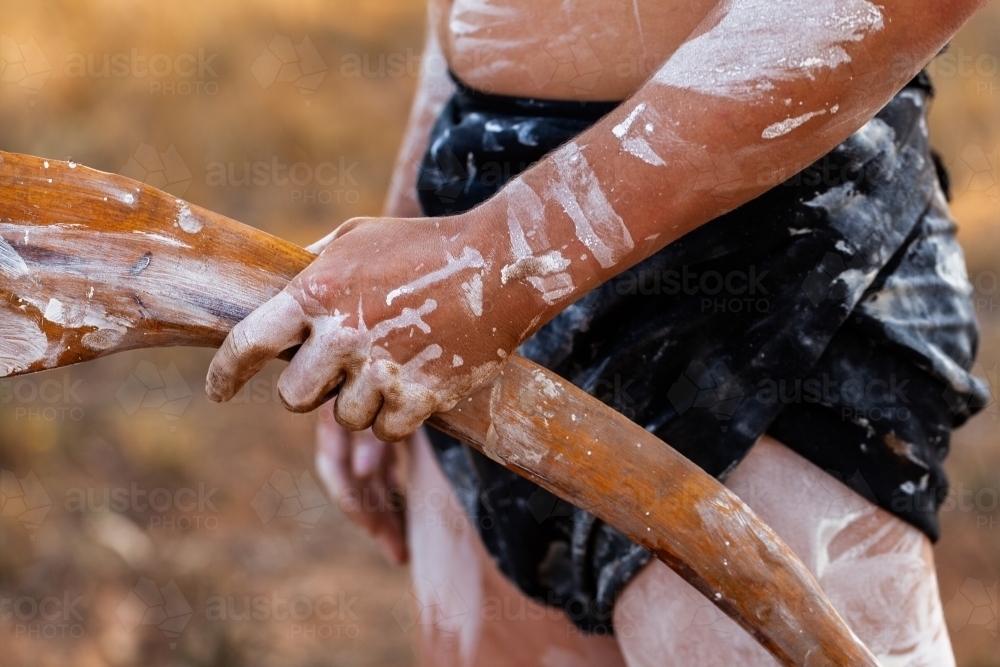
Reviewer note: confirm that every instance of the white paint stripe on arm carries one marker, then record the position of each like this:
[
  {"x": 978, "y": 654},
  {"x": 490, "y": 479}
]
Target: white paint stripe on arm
[
  {"x": 784, "y": 127},
  {"x": 597, "y": 225},
  {"x": 534, "y": 260},
  {"x": 758, "y": 42}
]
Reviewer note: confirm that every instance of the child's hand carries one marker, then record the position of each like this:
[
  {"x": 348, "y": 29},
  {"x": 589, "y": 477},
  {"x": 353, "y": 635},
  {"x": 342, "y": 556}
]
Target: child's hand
[
  {"x": 361, "y": 473},
  {"x": 405, "y": 317}
]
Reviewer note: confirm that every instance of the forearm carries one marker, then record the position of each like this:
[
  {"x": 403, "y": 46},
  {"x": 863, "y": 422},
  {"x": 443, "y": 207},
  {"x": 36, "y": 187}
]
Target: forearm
[
  {"x": 757, "y": 96},
  {"x": 434, "y": 87}
]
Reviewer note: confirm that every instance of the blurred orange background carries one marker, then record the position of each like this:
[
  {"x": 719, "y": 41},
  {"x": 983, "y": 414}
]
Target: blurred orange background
[{"x": 139, "y": 520}]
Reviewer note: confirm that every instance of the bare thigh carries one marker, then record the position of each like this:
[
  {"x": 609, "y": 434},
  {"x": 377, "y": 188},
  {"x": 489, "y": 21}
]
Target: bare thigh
[
  {"x": 877, "y": 570},
  {"x": 469, "y": 614}
]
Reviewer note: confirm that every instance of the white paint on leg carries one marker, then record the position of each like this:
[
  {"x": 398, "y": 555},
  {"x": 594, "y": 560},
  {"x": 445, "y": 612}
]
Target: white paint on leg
[{"x": 877, "y": 570}]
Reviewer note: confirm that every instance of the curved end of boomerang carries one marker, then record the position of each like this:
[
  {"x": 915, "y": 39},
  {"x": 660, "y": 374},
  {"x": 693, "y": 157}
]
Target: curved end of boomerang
[{"x": 85, "y": 257}]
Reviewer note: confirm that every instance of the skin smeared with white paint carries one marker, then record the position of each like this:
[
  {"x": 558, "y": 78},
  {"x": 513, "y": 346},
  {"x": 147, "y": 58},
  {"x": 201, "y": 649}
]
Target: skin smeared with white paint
[
  {"x": 534, "y": 260},
  {"x": 579, "y": 193},
  {"x": 580, "y": 50},
  {"x": 594, "y": 201},
  {"x": 470, "y": 259},
  {"x": 783, "y": 127},
  {"x": 877, "y": 570},
  {"x": 822, "y": 54},
  {"x": 473, "y": 291},
  {"x": 406, "y": 381},
  {"x": 748, "y": 65},
  {"x": 750, "y": 48},
  {"x": 636, "y": 142},
  {"x": 380, "y": 346},
  {"x": 473, "y": 614}
]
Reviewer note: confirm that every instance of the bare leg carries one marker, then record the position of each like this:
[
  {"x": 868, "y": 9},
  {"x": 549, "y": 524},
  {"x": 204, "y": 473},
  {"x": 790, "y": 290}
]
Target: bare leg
[
  {"x": 470, "y": 615},
  {"x": 876, "y": 569}
]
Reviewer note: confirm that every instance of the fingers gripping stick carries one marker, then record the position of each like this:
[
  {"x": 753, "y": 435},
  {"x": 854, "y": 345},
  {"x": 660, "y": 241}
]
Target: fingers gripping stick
[{"x": 92, "y": 264}]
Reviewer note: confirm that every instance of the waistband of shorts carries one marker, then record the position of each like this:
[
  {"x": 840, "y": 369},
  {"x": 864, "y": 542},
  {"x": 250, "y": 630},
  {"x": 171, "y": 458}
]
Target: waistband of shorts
[{"x": 470, "y": 100}]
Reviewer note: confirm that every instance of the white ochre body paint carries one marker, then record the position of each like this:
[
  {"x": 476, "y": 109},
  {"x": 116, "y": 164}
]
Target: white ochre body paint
[
  {"x": 470, "y": 259},
  {"x": 634, "y": 142},
  {"x": 876, "y": 569},
  {"x": 751, "y": 47},
  {"x": 784, "y": 127},
  {"x": 534, "y": 260},
  {"x": 579, "y": 193}
]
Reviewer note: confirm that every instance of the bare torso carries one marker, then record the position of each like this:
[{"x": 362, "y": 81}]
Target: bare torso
[{"x": 587, "y": 50}]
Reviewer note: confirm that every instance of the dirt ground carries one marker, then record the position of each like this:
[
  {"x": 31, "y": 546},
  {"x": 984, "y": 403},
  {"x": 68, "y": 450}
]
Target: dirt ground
[{"x": 142, "y": 524}]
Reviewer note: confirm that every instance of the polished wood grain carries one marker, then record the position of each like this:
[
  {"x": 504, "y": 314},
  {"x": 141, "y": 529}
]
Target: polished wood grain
[{"x": 101, "y": 264}]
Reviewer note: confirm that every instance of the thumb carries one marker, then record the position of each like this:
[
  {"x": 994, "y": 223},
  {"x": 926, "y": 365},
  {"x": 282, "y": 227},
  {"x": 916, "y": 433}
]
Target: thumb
[{"x": 344, "y": 227}]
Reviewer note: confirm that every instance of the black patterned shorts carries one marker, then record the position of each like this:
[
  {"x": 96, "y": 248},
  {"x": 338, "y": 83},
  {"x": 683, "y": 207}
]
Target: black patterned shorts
[{"x": 833, "y": 312}]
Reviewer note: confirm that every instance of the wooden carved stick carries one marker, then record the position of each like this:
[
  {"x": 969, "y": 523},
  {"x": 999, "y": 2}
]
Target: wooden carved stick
[{"x": 94, "y": 263}]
